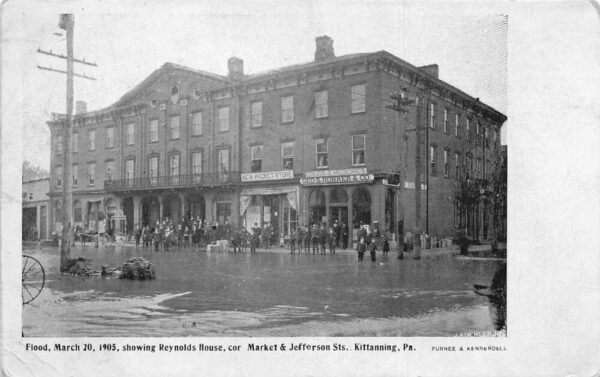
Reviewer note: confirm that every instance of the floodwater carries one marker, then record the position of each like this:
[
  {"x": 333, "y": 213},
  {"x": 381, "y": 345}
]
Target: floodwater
[{"x": 262, "y": 294}]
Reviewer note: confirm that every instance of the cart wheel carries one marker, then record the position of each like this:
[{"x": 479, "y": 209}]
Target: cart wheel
[{"x": 34, "y": 277}]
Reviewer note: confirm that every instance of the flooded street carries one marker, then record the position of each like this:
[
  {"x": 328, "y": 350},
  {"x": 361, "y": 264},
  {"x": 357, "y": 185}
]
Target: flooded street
[{"x": 262, "y": 294}]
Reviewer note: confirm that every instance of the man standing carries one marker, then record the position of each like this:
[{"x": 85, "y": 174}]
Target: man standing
[
  {"x": 361, "y": 248},
  {"x": 337, "y": 231},
  {"x": 138, "y": 235},
  {"x": 255, "y": 238},
  {"x": 344, "y": 235}
]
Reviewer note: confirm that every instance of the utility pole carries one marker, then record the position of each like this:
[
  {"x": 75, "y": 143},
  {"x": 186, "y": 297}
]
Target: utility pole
[
  {"x": 401, "y": 101},
  {"x": 67, "y": 23}
]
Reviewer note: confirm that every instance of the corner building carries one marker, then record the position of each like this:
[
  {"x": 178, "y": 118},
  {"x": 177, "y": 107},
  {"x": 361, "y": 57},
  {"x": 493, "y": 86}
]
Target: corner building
[{"x": 307, "y": 143}]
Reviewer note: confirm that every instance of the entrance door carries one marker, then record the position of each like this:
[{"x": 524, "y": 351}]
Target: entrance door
[{"x": 340, "y": 214}]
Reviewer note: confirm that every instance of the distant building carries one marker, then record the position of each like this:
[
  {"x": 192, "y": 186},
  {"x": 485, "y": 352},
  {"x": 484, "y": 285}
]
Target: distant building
[
  {"x": 306, "y": 143},
  {"x": 35, "y": 219}
]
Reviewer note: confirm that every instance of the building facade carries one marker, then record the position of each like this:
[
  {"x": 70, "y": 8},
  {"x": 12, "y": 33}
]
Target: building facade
[
  {"x": 308, "y": 143},
  {"x": 35, "y": 215}
]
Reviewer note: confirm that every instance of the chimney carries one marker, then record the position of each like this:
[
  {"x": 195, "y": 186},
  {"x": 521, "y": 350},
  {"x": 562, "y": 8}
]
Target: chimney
[
  {"x": 236, "y": 68},
  {"x": 432, "y": 69},
  {"x": 324, "y": 49},
  {"x": 80, "y": 107}
]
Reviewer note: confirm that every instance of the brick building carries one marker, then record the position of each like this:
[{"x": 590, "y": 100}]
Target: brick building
[{"x": 301, "y": 144}]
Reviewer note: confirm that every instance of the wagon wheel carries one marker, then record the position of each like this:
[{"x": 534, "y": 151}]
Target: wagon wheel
[{"x": 33, "y": 279}]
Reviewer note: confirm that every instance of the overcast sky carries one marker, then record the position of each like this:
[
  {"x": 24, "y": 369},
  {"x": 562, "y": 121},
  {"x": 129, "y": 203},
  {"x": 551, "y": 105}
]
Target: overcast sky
[{"x": 470, "y": 47}]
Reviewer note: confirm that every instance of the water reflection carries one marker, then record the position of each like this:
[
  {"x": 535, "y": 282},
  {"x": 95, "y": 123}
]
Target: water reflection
[{"x": 263, "y": 294}]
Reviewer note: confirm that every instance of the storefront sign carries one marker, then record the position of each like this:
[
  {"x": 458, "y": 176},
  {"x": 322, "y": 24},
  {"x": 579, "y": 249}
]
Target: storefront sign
[
  {"x": 338, "y": 180},
  {"x": 332, "y": 173},
  {"x": 267, "y": 176}
]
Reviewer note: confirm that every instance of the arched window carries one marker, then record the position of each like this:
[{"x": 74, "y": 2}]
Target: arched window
[{"x": 338, "y": 195}]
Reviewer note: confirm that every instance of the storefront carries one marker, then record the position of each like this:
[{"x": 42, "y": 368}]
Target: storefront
[
  {"x": 344, "y": 196},
  {"x": 275, "y": 206}
]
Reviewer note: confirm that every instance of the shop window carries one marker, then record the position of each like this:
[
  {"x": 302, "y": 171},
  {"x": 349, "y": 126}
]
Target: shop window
[
  {"x": 257, "y": 152},
  {"x": 361, "y": 207},
  {"x": 77, "y": 211},
  {"x": 322, "y": 152},
  {"x": 316, "y": 205},
  {"x": 287, "y": 154},
  {"x": 338, "y": 195},
  {"x": 358, "y": 150}
]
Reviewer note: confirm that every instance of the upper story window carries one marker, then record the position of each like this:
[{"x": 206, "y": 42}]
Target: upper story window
[
  {"x": 456, "y": 125},
  {"x": 456, "y": 164},
  {"x": 358, "y": 98},
  {"x": 75, "y": 174},
  {"x": 59, "y": 176},
  {"x": 468, "y": 130},
  {"x": 256, "y": 114},
  {"x": 130, "y": 133},
  {"x": 59, "y": 143},
  {"x": 321, "y": 151},
  {"x": 433, "y": 159},
  {"x": 432, "y": 115},
  {"x": 321, "y": 104},
  {"x": 75, "y": 142},
  {"x": 154, "y": 130},
  {"x": 197, "y": 124},
  {"x": 223, "y": 161},
  {"x": 174, "y": 165},
  {"x": 287, "y": 154},
  {"x": 92, "y": 140},
  {"x": 446, "y": 164},
  {"x": 197, "y": 163},
  {"x": 110, "y": 170},
  {"x": 287, "y": 109},
  {"x": 129, "y": 169},
  {"x": 485, "y": 137},
  {"x": 92, "y": 173},
  {"x": 110, "y": 137},
  {"x": 358, "y": 150},
  {"x": 153, "y": 168},
  {"x": 257, "y": 156},
  {"x": 174, "y": 127},
  {"x": 445, "y": 120},
  {"x": 224, "y": 118}
]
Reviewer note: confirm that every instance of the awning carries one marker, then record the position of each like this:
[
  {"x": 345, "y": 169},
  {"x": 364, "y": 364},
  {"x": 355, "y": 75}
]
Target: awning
[{"x": 292, "y": 193}]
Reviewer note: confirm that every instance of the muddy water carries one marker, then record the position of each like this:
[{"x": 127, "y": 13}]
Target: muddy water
[{"x": 263, "y": 294}]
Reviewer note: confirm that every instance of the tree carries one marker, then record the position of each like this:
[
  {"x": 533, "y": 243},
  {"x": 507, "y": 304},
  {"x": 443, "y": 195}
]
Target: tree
[{"x": 31, "y": 172}]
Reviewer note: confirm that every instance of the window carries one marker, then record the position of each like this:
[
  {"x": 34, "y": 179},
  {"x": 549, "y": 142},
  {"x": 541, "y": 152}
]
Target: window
[
  {"x": 92, "y": 139},
  {"x": 110, "y": 170},
  {"x": 92, "y": 173},
  {"x": 432, "y": 159},
  {"x": 358, "y": 150},
  {"x": 445, "y": 120},
  {"x": 256, "y": 114},
  {"x": 287, "y": 154},
  {"x": 432, "y": 115},
  {"x": 174, "y": 127},
  {"x": 358, "y": 98},
  {"x": 468, "y": 129},
  {"x": 129, "y": 129},
  {"x": 287, "y": 109},
  {"x": 321, "y": 147},
  {"x": 197, "y": 124},
  {"x": 446, "y": 164},
  {"x": 457, "y": 164},
  {"x": 197, "y": 166},
  {"x": 59, "y": 144},
  {"x": 75, "y": 142},
  {"x": 77, "y": 211},
  {"x": 456, "y": 125},
  {"x": 174, "y": 167},
  {"x": 223, "y": 162},
  {"x": 485, "y": 137},
  {"x": 153, "y": 168},
  {"x": 224, "y": 118},
  {"x": 257, "y": 152},
  {"x": 75, "y": 174},
  {"x": 321, "y": 109},
  {"x": 129, "y": 166},
  {"x": 110, "y": 137},
  {"x": 59, "y": 176},
  {"x": 154, "y": 130}
]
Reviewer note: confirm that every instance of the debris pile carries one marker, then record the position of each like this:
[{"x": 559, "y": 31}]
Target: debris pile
[
  {"x": 137, "y": 268},
  {"x": 80, "y": 267}
]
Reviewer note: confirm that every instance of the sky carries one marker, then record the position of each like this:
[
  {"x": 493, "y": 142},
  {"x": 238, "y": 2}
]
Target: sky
[{"x": 129, "y": 42}]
